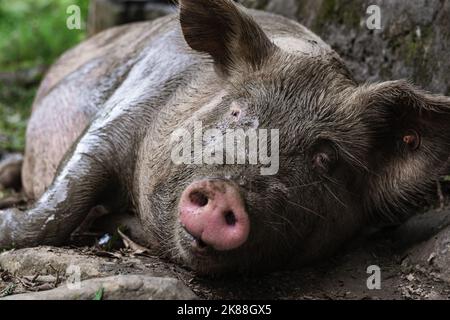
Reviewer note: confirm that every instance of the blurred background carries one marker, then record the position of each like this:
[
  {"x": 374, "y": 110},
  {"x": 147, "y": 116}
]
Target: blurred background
[
  {"x": 413, "y": 42},
  {"x": 32, "y": 35}
]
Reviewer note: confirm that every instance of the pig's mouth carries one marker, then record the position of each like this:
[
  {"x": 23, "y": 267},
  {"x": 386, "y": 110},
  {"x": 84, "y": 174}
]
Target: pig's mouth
[
  {"x": 195, "y": 254},
  {"x": 196, "y": 246}
]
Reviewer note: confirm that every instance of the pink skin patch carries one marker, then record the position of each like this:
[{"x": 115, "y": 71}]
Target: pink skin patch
[{"x": 213, "y": 211}]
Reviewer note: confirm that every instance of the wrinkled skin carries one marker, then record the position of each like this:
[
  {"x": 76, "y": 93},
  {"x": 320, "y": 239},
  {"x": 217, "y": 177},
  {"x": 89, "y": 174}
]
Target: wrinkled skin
[{"x": 102, "y": 119}]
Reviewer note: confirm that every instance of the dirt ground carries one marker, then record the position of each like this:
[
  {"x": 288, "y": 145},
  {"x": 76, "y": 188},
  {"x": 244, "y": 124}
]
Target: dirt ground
[
  {"x": 341, "y": 277},
  {"x": 405, "y": 273},
  {"x": 413, "y": 260}
]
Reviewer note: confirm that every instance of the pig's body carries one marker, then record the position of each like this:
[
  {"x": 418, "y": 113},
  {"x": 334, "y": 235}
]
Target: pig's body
[
  {"x": 105, "y": 113},
  {"x": 133, "y": 61}
]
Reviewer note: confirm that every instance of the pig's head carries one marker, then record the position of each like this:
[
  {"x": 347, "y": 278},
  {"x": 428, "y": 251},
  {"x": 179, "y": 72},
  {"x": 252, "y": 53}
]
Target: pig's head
[{"x": 347, "y": 152}]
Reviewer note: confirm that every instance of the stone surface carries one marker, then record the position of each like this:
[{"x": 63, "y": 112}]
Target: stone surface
[
  {"x": 413, "y": 42},
  {"x": 48, "y": 260},
  {"x": 421, "y": 227},
  {"x": 126, "y": 287},
  {"x": 433, "y": 256}
]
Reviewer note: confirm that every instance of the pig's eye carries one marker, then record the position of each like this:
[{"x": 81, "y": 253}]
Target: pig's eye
[
  {"x": 324, "y": 157},
  {"x": 411, "y": 139}
]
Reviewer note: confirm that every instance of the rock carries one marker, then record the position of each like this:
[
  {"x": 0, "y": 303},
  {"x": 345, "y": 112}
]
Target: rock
[
  {"x": 421, "y": 227},
  {"x": 433, "y": 256},
  {"x": 124, "y": 287},
  {"x": 287, "y": 8},
  {"x": 120, "y": 277},
  {"x": 49, "y": 260},
  {"x": 413, "y": 42}
]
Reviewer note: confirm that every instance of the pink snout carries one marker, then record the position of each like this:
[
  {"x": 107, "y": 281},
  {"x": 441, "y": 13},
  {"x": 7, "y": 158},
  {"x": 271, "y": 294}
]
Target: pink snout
[{"x": 213, "y": 211}]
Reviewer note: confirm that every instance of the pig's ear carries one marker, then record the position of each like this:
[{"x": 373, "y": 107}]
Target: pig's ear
[
  {"x": 410, "y": 144},
  {"x": 222, "y": 30}
]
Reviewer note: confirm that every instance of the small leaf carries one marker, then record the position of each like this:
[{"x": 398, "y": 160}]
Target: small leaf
[
  {"x": 136, "y": 248},
  {"x": 99, "y": 294}
]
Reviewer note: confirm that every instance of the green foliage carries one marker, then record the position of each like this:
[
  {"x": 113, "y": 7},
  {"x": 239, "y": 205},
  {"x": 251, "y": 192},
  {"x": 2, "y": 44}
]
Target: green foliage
[
  {"x": 35, "y": 32},
  {"x": 32, "y": 33},
  {"x": 99, "y": 294},
  {"x": 13, "y": 123},
  {"x": 346, "y": 13}
]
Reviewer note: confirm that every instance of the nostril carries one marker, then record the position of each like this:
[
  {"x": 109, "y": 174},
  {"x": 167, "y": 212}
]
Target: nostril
[
  {"x": 198, "y": 199},
  {"x": 230, "y": 218}
]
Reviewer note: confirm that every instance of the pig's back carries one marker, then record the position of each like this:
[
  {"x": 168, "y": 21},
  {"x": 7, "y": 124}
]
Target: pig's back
[
  {"x": 105, "y": 55},
  {"x": 102, "y": 62}
]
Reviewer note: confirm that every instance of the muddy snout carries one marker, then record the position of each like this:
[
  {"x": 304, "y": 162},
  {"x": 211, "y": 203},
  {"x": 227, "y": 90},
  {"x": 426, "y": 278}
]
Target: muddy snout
[{"x": 213, "y": 212}]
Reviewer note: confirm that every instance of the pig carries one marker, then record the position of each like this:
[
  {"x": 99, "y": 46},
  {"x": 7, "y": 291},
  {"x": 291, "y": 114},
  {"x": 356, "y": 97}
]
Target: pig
[{"x": 101, "y": 136}]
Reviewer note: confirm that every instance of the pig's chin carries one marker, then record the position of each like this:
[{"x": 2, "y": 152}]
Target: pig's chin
[
  {"x": 204, "y": 260},
  {"x": 210, "y": 262}
]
